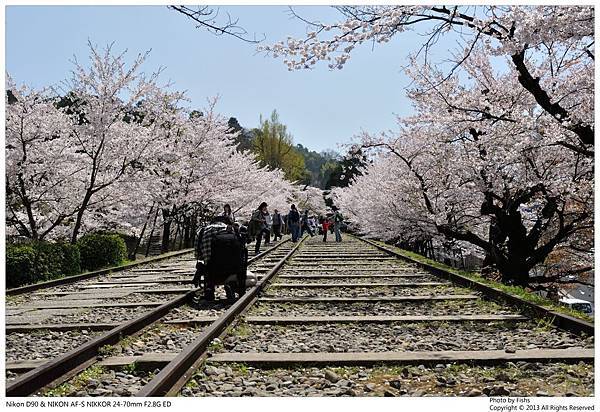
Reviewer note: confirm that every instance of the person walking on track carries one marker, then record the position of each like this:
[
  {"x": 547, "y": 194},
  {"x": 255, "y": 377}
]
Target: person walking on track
[
  {"x": 277, "y": 223},
  {"x": 305, "y": 225},
  {"x": 325, "y": 223},
  {"x": 258, "y": 225},
  {"x": 269, "y": 225},
  {"x": 338, "y": 219},
  {"x": 294, "y": 223}
]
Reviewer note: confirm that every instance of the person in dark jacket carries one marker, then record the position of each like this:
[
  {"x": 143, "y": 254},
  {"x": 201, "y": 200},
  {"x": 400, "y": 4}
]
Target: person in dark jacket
[
  {"x": 228, "y": 213},
  {"x": 258, "y": 219},
  {"x": 203, "y": 252},
  {"x": 294, "y": 223}
]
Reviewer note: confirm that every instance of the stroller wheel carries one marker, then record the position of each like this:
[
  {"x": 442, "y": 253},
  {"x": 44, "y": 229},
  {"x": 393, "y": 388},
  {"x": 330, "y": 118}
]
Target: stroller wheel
[{"x": 229, "y": 292}]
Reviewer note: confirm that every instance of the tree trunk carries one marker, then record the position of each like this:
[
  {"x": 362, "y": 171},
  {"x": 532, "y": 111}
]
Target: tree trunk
[
  {"x": 515, "y": 271},
  {"x": 84, "y": 204},
  {"x": 30, "y": 216},
  {"x": 151, "y": 232},
  {"x": 512, "y": 264},
  {"x": 194, "y": 229},
  {"x": 166, "y": 235},
  {"x": 181, "y": 235},
  {"x": 139, "y": 241},
  {"x": 177, "y": 232},
  {"x": 186, "y": 232}
]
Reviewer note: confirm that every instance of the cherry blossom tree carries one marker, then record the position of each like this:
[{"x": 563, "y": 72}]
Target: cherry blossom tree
[
  {"x": 498, "y": 157},
  {"x": 118, "y": 111},
  {"x": 497, "y": 186},
  {"x": 41, "y": 164},
  {"x": 551, "y": 49},
  {"x": 200, "y": 169},
  {"x": 310, "y": 198},
  {"x": 258, "y": 185},
  {"x": 113, "y": 148}
]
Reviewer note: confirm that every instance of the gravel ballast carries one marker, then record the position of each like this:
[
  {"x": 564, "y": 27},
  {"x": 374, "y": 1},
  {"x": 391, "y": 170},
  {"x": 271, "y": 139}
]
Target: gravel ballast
[
  {"x": 44, "y": 344},
  {"x": 280, "y": 292},
  {"x": 430, "y": 308},
  {"x": 398, "y": 337},
  {"x": 362, "y": 280},
  {"x": 98, "y": 381},
  {"x": 512, "y": 379},
  {"x": 161, "y": 338}
]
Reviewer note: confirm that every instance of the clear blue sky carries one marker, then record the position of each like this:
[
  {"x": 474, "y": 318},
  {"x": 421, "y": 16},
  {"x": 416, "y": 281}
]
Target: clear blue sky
[{"x": 321, "y": 107}]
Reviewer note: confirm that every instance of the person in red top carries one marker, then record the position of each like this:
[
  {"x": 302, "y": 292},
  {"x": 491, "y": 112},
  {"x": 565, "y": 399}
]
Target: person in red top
[{"x": 325, "y": 223}]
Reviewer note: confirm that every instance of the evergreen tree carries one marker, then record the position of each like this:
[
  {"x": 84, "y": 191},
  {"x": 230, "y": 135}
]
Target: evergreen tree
[{"x": 342, "y": 174}]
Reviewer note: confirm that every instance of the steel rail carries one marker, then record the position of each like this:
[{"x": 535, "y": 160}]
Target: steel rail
[
  {"x": 182, "y": 366},
  {"x": 41, "y": 376},
  {"x": 558, "y": 319},
  {"x": 89, "y": 275},
  {"x": 176, "y": 374},
  {"x": 52, "y": 370}
]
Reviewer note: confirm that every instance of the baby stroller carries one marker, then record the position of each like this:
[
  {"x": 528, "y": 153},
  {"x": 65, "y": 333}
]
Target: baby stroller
[{"x": 227, "y": 264}]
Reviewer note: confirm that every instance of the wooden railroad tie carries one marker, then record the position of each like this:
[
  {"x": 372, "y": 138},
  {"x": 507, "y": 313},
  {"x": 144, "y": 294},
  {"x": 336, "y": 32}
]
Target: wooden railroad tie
[
  {"x": 300, "y": 299},
  {"x": 149, "y": 360},
  {"x": 353, "y": 276},
  {"x": 381, "y": 319},
  {"x": 66, "y": 304},
  {"x": 360, "y": 285},
  {"x": 429, "y": 357},
  {"x": 21, "y": 328}
]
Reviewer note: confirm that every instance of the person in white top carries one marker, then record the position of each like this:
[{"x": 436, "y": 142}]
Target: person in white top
[
  {"x": 277, "y": 223},
  {"x": 269, "y": 223}
]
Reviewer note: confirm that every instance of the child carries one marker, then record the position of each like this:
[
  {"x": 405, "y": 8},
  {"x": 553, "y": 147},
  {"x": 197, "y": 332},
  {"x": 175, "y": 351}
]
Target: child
[{"x": 325, "y": 224}]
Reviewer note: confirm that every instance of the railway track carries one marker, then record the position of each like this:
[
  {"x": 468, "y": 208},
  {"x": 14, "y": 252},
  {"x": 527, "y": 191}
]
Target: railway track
[
  {"x": 57, "y": 331},
  {"x": 350, "y": 319}
]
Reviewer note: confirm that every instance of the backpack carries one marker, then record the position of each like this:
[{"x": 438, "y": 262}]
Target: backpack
[
  {"x": 338, "y": 217},
  {"x": 227, "y": 256}
]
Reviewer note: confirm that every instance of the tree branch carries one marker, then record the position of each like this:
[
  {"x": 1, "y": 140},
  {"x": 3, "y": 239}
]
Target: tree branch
[{"x": 206, "y": 16}]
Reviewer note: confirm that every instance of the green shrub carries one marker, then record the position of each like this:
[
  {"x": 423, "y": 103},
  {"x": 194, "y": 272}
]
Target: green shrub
[
  {"x": 71, "y": 264},
  {"x": 39, "y": 261},
  {"x": 98, "y": 250},
  {"x": 20, "y": 265},
  {"x": 48, "y": 260},
  {"x": 130, "y": 243}
]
